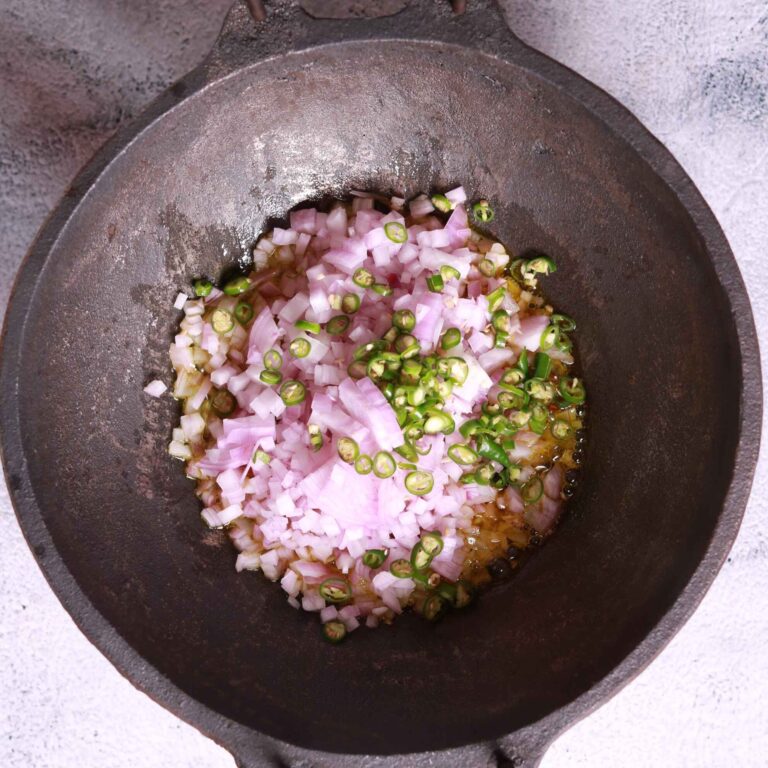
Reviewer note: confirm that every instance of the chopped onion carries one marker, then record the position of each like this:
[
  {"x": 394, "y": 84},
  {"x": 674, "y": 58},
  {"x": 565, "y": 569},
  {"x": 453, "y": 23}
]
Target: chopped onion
[
  {"x": 271, "y": 472},
  {"x": 155, "y": 388}
]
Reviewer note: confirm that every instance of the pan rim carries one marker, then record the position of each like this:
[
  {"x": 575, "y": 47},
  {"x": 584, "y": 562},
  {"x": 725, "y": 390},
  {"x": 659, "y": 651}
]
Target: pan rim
[{"x": 235, "y": 735}]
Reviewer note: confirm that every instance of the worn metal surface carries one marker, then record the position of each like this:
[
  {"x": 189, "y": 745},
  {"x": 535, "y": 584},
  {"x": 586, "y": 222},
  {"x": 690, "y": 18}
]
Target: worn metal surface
[{"x": 613, "y": 218}]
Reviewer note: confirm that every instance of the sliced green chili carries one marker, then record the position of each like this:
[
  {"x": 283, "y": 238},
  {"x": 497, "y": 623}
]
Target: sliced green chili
[
  {"x": 315, "y": 437},
  {"x": 572, "y": 390},
  {"x": 419, "y": 483},
  {"x": 243, "y": 313},
  {"x": 561, "y": 429},
  {"x": 490, "y": 449},
  {"x": 410, "y": 351},
  {"x": 348, "y": 449},
  {"x": 401, "y": 568},
  {"x": 500, "y": 339},
  {"x": 529, "y": 274},
  {"x": 374, "y": 558},
  {"x": 335, "y": 590},
  {"x": 484, "y": 474},
  {"x": 496, "y": 297},
  {"x": 500, "y": 320},
  {"x": 366, "y": 350},
  {"x": 404, "y": 319},
  {"x": 434, "y": 607},
  {"x": 262, "y": 456},
  {"x": 470, "y": 427},
  {"x": 511, "y": 378},
  {"x": 410, "y": 371},
  {"x": 405, "y": 341},
  {"x": 432, "y": 542},
  {"x": 442, "y": 203},
  {"x": 383, "y": 464},
  {"x": 532, "y": 491},
  {"x": 293, "y": 392},
  {"x": 447, "y": 272},
  {"x": 444, "y": 389},
  {"x": 482, "y": 211},
  {"x": 309, "y": 326},
  {"x": 363, "y": 278},
  {"x": 513, "y": 397},
  {"x": 426, "y": 550},
  {"x": 300, "y": 347},
  {"x": 222, "y": 320},
  {"x": 416, "y": 396},
  {"x": 236, "y": 286},
  {"x": 451, "y": 338},
  {"x": 420, "y": 558},
  {"x": 515, "y": 270},
  {"x": 273, "y": 360},
  {"x": 350, "y": 303},
  {"x": 539, "y": 419},
  {"x": 268, "y": 376},
  {"x": 391, "y": 335},
  {"x": 396, "y": 231},
  {"x": 563, "y": 322},
  {"x": 223, "y": 402},
  {"x": 334, "y": 631},
  {"x": 337, "y": 325},
  {"x": 435, "y": 283},
  {"x": 549, "y": 337},
  {"x": 363, "y": 464},
  {"x": 564, "y": 344},
  {"x": 459, "y": 370},
  {"x": 382, "y": 289},
  {"x": 407, "y": 451},
  {"x": 486, "y": 267},
  {"x": 376, "y": 367},
  {"x": 462, "y": 454},
  {"x": 540, "y": 390},
  {"x": 203, "y": 288},
  {"x": 439, "y": 422},
  {"x": 543, "y": 265},
  {"x": 543, "y": 366}
]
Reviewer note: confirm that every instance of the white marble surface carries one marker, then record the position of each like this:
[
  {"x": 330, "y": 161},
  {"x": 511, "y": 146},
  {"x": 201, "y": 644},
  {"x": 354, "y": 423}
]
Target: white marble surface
[{"x": 695, "y": 71}]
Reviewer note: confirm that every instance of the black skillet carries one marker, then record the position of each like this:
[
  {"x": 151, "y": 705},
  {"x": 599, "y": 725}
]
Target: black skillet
[{"x": 292, "y": 108}]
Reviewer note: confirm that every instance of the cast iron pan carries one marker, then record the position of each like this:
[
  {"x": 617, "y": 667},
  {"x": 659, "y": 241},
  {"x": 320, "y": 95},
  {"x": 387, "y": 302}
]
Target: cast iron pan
[{"x": 293, "y": 108}]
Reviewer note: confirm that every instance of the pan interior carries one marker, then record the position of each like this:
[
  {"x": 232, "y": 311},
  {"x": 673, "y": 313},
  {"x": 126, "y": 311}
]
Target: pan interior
[{"x": 190, "y": 195}]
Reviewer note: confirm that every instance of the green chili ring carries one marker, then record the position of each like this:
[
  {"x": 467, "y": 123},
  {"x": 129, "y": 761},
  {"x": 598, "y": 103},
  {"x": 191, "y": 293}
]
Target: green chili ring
[
  {"x": 532, "y": 491},
  {"x": 348, "y": 449},
  {"x": 419, "y": 483},
  {"x": 384, "y": 465},
  {"x": 335, "y": 590},
  {"x": 293, "y": 392}
]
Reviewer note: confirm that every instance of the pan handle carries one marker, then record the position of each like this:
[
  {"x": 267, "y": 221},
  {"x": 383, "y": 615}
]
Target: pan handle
[
  {"x": 259, "y": 11},
  {"x": 255, "y": 30},
  {"x": 525, "y": 749}
]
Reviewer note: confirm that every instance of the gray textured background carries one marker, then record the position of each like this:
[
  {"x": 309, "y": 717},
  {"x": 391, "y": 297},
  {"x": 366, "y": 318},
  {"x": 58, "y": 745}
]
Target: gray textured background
[{"x": 694, "y": 71}]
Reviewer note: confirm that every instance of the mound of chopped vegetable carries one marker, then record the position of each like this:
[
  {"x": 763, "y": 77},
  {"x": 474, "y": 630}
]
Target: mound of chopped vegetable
[{"x": 381, "y": 413}]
